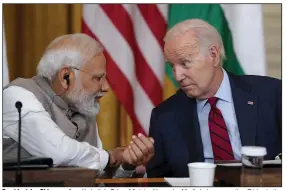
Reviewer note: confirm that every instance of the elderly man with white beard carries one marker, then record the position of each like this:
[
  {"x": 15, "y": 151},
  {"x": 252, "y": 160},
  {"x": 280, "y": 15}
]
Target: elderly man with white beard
[{"x": 59, "y": 108}]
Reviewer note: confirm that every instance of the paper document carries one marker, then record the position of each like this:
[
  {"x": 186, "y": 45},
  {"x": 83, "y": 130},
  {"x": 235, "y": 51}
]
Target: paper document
[{"x": 178, "y": 182}]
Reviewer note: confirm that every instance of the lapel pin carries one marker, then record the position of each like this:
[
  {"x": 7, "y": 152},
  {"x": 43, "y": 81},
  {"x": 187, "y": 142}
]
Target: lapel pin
[{"x": 250, "y": 103}]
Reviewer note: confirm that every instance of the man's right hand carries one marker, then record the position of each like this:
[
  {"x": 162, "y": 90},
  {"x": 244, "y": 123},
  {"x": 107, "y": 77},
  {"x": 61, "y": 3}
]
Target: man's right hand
[{"x": 116, "y": 156}]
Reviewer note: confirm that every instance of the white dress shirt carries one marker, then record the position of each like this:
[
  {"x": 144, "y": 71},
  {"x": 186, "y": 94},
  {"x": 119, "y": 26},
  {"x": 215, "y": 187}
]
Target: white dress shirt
[
  {"x": 42, "y": 137},
  {"x": 226, "y": 106}
]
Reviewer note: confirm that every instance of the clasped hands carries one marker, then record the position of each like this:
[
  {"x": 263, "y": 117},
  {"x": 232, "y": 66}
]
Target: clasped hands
[{"x": 137, "y": 153}]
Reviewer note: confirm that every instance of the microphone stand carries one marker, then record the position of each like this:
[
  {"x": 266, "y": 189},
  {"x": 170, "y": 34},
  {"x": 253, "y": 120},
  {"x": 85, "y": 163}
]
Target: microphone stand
[
  {"x": 18, "y": 173},
  {"x": 19, "y": 179}
]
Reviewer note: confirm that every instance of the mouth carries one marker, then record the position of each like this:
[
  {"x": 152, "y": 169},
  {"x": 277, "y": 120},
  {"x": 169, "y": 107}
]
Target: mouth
[
  {"x": 97, "y": 98},
  {"x": 185, "y": 86}
]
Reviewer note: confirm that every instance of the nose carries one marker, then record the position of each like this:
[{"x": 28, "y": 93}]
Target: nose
[
  {"x": 105, "y": 86},
  {"x": 178, "y": 74}
]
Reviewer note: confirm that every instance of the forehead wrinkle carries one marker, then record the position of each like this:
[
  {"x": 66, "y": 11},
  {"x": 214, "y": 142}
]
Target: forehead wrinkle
[
  {"x": 185, "y": 27},
  {"x": 184, "y": 47},
  {"x": 96, "y": 66}
]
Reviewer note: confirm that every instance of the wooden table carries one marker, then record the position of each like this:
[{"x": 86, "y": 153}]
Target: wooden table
[
  {"x": 81, "y": 177},
  {"x": 224, "y": 177},
  {"x": 132, "y": 182},
  {"x": 271, "y": 176},
  {"x": 59, "y": 177}
]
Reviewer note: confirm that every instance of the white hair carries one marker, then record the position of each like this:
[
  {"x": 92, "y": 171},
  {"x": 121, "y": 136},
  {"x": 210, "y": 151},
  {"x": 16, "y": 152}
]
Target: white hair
[
  {"x": 72, "y": 50},
  {"x": 206, "y": 33}
]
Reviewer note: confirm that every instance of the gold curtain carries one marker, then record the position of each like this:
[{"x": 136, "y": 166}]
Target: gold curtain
[{"x": 30, "y": 27}]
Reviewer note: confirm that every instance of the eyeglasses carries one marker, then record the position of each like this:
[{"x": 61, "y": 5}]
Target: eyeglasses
[{"x": 98, "y": 78}]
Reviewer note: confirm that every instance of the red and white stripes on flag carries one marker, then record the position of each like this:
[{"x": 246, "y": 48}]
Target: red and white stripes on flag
[{"x": 132, "y": 35}]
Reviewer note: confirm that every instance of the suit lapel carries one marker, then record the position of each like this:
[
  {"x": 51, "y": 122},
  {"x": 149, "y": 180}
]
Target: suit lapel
[
  {"x": 245, "y": 105},
  {"x": 189, "y": 126}
]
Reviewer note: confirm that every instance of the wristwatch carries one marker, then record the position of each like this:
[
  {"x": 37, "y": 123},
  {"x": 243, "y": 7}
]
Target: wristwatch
[{"x": 128, "y": 167}]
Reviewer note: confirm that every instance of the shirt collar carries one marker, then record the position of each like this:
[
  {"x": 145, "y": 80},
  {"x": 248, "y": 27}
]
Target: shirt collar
[{"x": 223, "y": 92}]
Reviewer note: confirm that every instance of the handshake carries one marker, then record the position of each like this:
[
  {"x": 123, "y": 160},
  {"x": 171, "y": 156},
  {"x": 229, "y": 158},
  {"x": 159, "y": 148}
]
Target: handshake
[{"x": 138, "y": 153}]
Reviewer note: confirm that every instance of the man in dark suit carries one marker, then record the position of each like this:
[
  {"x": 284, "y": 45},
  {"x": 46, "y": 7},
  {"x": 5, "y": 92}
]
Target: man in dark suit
[{"x": 214, "y": 113}]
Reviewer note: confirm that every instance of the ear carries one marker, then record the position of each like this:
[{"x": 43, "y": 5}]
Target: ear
[
  {"x": 61, "y": 77},
  {"x": 215, "y": 54}
]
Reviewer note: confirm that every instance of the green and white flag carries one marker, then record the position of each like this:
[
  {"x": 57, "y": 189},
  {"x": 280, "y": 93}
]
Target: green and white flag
[{"x": 241, "y": 28}]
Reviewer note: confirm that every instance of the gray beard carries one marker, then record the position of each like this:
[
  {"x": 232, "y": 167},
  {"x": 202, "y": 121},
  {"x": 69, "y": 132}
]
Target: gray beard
[
  {"x": 88, "y": 109},
  {"x": 84, "y": 103}
]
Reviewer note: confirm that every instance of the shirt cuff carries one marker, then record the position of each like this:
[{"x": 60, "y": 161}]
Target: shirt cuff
[{"x": 104, "y": 158}]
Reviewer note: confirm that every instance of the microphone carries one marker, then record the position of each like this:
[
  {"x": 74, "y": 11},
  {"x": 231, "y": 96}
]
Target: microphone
[
  {"x": 32, "y": 163},
  {"x": 19, "y": 181},
  {"x": 18, "y": 105}
]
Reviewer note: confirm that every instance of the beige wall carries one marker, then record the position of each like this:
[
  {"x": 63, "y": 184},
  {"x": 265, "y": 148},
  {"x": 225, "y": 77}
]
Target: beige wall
[{"x": 272, "y": 32}]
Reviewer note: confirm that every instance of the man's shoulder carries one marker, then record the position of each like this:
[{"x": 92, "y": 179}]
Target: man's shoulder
[
  {"x": 172, "y": 102},
  {"x": 257, "y": 79},
  {"x": 20, "y": 82},
  {"x": 257, "y": 82},
  {"x": 14, "y": 92}
]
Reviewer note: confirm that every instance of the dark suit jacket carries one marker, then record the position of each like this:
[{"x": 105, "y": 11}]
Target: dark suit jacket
[{"x": 174, "y": 125}]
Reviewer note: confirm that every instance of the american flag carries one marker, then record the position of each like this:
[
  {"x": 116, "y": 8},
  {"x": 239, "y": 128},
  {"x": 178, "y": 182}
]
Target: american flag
[{"x": 132, "y": 35}]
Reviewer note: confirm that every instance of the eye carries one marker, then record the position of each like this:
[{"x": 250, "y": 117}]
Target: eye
[
  {"x": 187, "y": 63},
  {"x": 171, "y": 65},
  {"x": 97, "y": 78},
  {"x": 184, "y": 64}
]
